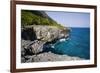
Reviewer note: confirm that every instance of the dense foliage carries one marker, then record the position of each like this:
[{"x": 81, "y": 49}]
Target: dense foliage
[{"x": 31, "y": 18}]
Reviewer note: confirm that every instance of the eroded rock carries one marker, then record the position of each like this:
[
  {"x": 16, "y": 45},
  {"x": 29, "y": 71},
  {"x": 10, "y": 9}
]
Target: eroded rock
[
  {"x": 34, "y": 39},
  {"x": 49, "y": 56},
  {"x": 46, "y": 33}
]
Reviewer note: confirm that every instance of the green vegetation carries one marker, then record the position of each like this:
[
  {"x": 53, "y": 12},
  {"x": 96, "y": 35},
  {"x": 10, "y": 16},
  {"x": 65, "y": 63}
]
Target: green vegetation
[{"x": 31, "y": 18}]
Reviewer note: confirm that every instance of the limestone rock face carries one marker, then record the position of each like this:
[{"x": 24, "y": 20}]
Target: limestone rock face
[
  {"x": 39, "y": 35},
  {"x": 34, "y": 39},
  {"x": 47, "y": 33}
]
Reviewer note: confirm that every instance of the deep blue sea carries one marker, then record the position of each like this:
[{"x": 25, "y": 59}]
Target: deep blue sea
[{"x": 78, "y": 44}]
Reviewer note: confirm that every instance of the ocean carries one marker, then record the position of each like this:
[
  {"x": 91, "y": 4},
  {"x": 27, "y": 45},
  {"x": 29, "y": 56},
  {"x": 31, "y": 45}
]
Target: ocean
[{"x": 77, "y": 45}]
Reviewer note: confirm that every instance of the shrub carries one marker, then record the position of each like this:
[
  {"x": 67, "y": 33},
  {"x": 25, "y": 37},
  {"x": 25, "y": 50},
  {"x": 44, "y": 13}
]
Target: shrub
[{"x": 30, "y": 18}]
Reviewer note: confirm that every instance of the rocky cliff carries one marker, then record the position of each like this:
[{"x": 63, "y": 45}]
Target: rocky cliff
[
  {"x": 38, "y": 33},
  {"x": 35, "y": 41},
  {"x": 42, "y": 34}
]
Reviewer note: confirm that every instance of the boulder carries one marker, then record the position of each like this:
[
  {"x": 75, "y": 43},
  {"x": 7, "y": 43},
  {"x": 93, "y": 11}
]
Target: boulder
[
  {"x": 37, "y": 46},
  {"x": 31, "y": 47}
]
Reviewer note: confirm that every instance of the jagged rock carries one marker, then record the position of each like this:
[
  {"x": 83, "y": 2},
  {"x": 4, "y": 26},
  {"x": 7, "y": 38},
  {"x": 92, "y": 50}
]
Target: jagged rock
[
  {"x": 31, "y": 47},
  {"x": 37, "y": 46},
  {"x": 33, "y": 42},
  {"x": 49, "y": 56},
  {"x": 40, "y": 35},
  {"x": 23, "y": 45},
  {"x": 53, "y": 57},
  {"x": 47, "y": 33}
]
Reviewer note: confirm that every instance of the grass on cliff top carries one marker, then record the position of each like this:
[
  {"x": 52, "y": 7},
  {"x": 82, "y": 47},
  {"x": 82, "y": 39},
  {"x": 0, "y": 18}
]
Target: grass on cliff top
[{"x": 29, "y": 18}]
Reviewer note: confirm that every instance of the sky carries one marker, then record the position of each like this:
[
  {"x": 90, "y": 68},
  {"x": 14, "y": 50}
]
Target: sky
[{"x": 71, "y": 19}]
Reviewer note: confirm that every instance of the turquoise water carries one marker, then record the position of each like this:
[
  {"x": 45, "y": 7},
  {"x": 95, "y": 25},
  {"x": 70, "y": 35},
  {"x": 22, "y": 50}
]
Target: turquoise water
[{"x": 78, "y": 44}]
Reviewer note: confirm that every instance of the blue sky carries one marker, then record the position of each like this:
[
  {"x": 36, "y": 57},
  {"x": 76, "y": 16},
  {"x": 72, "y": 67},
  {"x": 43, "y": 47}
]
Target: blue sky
[{"x": 71, "y": 19}]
